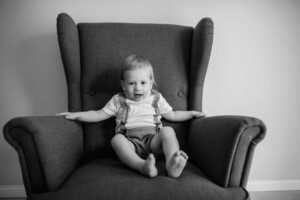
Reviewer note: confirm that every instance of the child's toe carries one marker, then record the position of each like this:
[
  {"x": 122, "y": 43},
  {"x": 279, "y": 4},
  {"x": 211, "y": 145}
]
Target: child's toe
[{"x": 183, "y": 154}]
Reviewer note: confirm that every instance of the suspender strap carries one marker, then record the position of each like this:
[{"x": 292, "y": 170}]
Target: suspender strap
[
  {"x": 121, "y": 127},
  {"x": 155, "y": 106},
  {"x": 125, "y": 106}
]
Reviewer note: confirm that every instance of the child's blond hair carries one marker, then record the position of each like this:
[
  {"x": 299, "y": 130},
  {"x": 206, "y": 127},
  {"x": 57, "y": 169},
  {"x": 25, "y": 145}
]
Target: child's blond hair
[{"x": 134, "y": 62}]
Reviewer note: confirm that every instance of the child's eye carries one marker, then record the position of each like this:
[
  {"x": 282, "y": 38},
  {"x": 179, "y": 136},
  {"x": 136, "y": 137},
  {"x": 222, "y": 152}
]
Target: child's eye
[{"x": 144, "y": 82}]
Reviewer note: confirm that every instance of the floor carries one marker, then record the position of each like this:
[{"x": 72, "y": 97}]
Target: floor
[{"x": 280, "y": 195}]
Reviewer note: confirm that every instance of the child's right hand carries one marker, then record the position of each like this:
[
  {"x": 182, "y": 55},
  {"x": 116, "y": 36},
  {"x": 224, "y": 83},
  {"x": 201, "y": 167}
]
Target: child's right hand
[{"x": 68, "y": 115}]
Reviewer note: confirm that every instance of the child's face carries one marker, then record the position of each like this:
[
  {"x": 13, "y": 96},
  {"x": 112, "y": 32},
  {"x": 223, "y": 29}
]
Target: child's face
[{"x": 137, "y": 84}]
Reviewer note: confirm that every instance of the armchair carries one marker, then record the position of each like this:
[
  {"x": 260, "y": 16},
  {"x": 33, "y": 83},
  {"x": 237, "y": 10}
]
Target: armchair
[{"x": 63, "y": 159}]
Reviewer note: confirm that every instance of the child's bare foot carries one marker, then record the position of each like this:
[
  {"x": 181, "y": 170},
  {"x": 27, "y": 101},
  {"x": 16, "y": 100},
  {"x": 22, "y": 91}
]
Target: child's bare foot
[
  {"x": 176, "y": 164},
  {"x": 149, "y": 168}
]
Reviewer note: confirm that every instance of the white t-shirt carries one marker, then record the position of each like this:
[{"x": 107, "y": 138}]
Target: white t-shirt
[{"x": 141, "y": 113}]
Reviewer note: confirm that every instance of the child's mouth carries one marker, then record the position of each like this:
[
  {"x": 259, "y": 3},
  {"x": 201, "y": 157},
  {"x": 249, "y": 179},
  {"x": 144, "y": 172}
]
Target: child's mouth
[{"x": 137, "y": 96}]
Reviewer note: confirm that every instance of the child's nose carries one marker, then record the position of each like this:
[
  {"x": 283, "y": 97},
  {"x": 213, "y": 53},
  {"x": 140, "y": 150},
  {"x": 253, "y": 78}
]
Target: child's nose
[{"x": 137, "y": 86}]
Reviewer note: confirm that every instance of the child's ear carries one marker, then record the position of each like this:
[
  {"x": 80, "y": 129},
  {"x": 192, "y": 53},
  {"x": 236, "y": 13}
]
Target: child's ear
[
  {"x": 152, "y": 84},
  {"x": 123, "y": 85}
]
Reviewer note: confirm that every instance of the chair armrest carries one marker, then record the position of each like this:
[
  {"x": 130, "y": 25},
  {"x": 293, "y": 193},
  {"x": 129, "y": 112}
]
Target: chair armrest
[
  {"x": 49, "y": 149},
  {"x": 223, "y": 147}
]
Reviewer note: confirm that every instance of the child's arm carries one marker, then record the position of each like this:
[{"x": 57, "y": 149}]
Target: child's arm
[
  {"x": 88, "y": 116},
  {"x": 177, "y": 116}
]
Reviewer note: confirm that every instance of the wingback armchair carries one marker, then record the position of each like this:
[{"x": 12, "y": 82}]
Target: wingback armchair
[{"x": 63, "y": 159}]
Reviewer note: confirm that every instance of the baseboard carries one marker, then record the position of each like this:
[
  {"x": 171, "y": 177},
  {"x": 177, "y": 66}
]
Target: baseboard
[
  {"x": 252, "y": 186},
  {"x": 11, "y": 191},
  {"x": 282, "y": 185}
]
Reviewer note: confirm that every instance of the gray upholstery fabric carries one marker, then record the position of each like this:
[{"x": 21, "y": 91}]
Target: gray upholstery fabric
[
  {"x": 104, "y": 46},
  {"x": 68, "y": 39},
  {"x": 220, "y": 146},
  {"x": 61, "y": 159},
  {"x": 201, "y": 48},
  {"x": 107, "y": 178},
  {"x": 53, "y": 148}
]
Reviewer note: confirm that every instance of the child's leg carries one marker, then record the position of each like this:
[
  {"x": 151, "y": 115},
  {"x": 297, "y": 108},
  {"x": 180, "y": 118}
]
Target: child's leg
[
  {"x": 126, "y": 153},
  {"x": 175, "y": 159}
]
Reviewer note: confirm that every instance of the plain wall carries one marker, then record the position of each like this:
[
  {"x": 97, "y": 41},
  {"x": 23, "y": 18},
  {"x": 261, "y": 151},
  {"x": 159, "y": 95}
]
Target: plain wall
[{"x": 253, "y": 70}]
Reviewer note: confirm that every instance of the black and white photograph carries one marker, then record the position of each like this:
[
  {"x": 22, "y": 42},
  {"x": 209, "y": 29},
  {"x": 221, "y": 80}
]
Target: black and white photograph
[{"x": 149, "y": 100}]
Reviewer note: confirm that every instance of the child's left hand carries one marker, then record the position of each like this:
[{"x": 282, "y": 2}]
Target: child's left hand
[{"x": 198, "y": 114}]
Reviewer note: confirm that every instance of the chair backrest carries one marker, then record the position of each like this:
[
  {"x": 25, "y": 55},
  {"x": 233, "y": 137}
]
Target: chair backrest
[{"x": 92, "y": 54}]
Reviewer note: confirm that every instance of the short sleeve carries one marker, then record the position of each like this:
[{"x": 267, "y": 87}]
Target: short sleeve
[
  {"x": 112, "y": 106},
  {"x": 164, "y": 106}
]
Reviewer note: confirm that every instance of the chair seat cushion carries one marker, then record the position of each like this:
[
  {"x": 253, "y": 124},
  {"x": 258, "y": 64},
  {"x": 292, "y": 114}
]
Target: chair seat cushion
[{"x": 108, "y": 178}]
